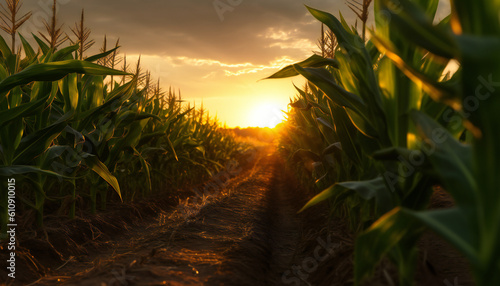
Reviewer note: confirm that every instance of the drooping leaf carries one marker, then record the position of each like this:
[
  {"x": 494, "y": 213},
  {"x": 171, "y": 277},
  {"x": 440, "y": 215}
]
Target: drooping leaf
[
  {"x": 314, "y": 61},
  {"x": 100, "y": 169}
]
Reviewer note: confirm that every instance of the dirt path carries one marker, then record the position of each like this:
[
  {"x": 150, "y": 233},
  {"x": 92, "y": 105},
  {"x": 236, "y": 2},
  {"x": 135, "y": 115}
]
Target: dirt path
[{"x": 245, "y": 236}]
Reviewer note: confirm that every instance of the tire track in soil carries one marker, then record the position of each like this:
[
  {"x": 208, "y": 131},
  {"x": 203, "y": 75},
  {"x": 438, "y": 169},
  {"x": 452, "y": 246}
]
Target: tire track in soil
[
  {"x": 245, "y": 236},
  {"x": 275, "y": 237}
]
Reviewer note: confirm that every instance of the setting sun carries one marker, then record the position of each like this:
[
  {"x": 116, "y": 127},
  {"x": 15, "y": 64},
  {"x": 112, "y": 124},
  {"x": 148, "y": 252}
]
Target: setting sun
[{"x": 266, "y": 115}]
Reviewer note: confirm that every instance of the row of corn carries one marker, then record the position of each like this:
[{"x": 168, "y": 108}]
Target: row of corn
[
  {"x": 382, "y": 123},
  {"x": 75, "y": 138}
]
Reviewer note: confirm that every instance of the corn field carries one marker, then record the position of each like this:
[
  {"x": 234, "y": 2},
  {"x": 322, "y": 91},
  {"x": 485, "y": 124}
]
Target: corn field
[
  {"x": 389, "y": 117},
  {"x": 78, "y": 132},
  {"x": 382, "y": 123}
]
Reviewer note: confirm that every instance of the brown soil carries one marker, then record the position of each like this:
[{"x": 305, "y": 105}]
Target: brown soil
[{"x": 247, "y": 233}]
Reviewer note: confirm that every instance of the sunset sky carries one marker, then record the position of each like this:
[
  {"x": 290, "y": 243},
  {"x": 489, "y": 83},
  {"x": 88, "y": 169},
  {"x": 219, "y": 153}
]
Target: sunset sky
[{"x": 213, "y": 55}]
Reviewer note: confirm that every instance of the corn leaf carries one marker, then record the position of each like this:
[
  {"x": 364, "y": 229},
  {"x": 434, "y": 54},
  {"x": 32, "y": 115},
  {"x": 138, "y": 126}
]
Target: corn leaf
[
  {"x": 324, "y": 81},
  {"x": 451, "y": 159},
  {"x": 54, "y": 71},
  {"x": 314, "y": 61},
  {"x": 440, "y": 91},
  {"x": 22, "y": 110},
  {"x": 36, "y": 143},
  {"x": 453, "y": 225},
  {"x": 9, "y": 171},
  {"x": 394, "y": 233},
  {"x": 30, "y": 53},
  {"x": 145, "y": 168},
  {"x": 65, "y": 53},
  {"x": 371, "y": 189},
  {"x": 414, "y": 24},
  {"x": 101, "y": 55},
  {"x": 43, "y": 46},
  {"x": 100, "y": 169}
]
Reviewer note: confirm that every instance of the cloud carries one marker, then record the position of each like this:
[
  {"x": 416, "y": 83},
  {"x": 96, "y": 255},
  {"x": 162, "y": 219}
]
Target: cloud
[
  {"x": 229, "y": 69},
  {"x": 274, "y": 65},
  {"x": 256, "y": 31},
  {"x": 186, "y": 44},
  {"x": 192, "y": 28},
  {"x": 207, "y": 62}
]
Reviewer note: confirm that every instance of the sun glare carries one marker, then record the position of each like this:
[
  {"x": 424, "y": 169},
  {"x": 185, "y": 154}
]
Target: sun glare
[{"x": 266, "y": 115}]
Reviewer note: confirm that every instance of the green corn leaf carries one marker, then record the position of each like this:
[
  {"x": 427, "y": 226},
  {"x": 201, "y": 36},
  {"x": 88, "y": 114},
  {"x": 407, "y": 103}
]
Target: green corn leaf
[
  {"x": 335, "y": 148},
  {"x": 4, "y": 48},
  {"x": 30, "y": 53},
  {"x": 362, "y": 124},
  {"x": 400, "y": 228},
  {"x": 128, "y": 117},
  {"x": 352, "y": 43},
  {"x": 451, "y": 159},
  {"x": 3, "y": 74},
  {"x": 321, "y": 197},
  {"x": 171, "y": 145},
  {"x": 145, "y": 168},
  {"x": 100, "y": 169},
  {"x": 36, "y": 143},
  {"x": 480, "y": 18},
  {"x": 325, "y": 123},
  {"x": 96, "y": 94},
  {"x": 314, "y": 61},
  {"x": 69, "y": 89},
  {"x": 395, "y": 153},
  {"x": 11, "y": 136},
  {"x": 453, "y": 225},
  {"x": 417, "y": 26},
  {"x": 324, "y": 81},
  {"x": 22, "y": 110},
  {"x": 368, "y": 190},
  {"x": 201, "y": 149},
  {"x": 52, "y": 153},
  {"x": 54, "y": 71},
  {"x": 146, "y": 138},
  {"x": 135, "y": 131},
  {"x": 446, "y": 92},
  {"x": 45, "y": 49},
  {"x": 119, "y": 94},
  {"x": 64, "y": 53},
  {"x": 101, "y": 55},
  {"x": 203, "y": 166},
  {"x": 215, "y": 163},
  {"x": 396, "y": 234},
  {"x": 10, "y": 60},
  {"x": 9, "y": 171},
  {"x": 347, "y": 132}
]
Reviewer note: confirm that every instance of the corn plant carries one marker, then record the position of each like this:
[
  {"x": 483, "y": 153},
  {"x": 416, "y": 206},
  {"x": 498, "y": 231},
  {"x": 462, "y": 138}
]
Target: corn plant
[
  {"x": 365, "y": 88},
  {"x": 70, "y": 133},
  {"x": 468, "y": 171},
  {"x": 27, "y": 132}
]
